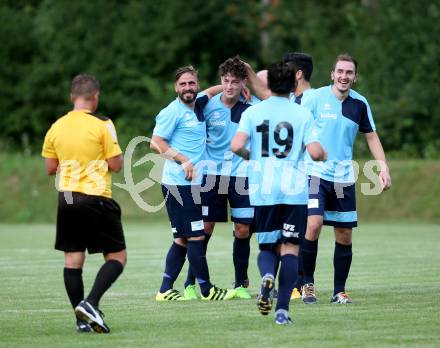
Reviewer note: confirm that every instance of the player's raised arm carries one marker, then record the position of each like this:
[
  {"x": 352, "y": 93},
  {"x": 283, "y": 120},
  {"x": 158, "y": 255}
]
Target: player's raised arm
[
  {"x": 378, "y": 153},
  {"x": 213, "y": 90},
  {"x": 238, "y": 145},
  {"x": 258, "y": 85}
]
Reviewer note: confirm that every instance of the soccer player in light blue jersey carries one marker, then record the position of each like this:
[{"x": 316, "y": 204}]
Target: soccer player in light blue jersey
[
  {"x": 303, "y": 64},
  {"x": 180, "y": 136},
  {"x": 222, "y": 181},
  {"x": 339, "y": 114},
  {"x": 277, "y": 132}
]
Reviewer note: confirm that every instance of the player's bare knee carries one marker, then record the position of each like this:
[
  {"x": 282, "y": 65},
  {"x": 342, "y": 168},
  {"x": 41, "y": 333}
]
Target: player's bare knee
[
  {"x": 181, "y": 242},
  {"x": 343, "y": 235},
  {"x": 289, "y": 249},
  {"x": 74, "y": 260},
  {"x": 241, "y": 231},
  {"x": 314, "y": 226},
  {"x": 120, "y": 256},
  {"x": 196, "y": 238},
  {"x": 209, "y": 227}
]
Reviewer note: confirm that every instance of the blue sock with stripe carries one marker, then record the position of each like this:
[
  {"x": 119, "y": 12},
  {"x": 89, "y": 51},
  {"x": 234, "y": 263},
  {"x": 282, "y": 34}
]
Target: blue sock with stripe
[
  {"x": 309, "y": 251},
  {"x": 267, "y": 261},
  {"x": 240, "y": 255},
  {"x": 286, "y": 280},
  {"x": 341, "y": 262},
  {"x": 197, "y": 260},
  {"x": 191, "y": 277},
  {"x": 299, "y": 280},
  {"x": 173, "y": 265}
]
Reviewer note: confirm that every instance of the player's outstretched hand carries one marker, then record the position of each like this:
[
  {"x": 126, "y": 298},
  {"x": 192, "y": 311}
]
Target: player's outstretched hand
[
  {"x": 247, "y": 65},
  {"x": 188, "y": 168},
  {"x": 246, "y": 94},
  {"x": 385, "y": 179}
]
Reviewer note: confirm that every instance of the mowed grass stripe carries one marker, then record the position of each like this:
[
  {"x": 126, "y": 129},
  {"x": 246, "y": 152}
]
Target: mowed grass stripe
[{"x": 394, "y": 282}]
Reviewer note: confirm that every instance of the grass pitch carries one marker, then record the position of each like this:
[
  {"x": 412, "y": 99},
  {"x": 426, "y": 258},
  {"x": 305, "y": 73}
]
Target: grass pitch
[{"x": 394, "y": 283}]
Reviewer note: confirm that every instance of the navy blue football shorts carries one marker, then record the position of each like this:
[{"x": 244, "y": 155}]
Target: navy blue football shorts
[
  {"x": 184, "y": 212},
  {"x": 217, "y": 190},
  {"x": 336, "y": 202},
  {"x": 281, "y": 223}
]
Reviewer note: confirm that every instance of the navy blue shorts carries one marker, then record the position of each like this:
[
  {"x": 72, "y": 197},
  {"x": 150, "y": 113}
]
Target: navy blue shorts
[
  {"x": 184, "y": 212},
  {"x": 220, "y": 190},
  {"x": 336, "y": 202},
  {"x": 281, "y": 223}
]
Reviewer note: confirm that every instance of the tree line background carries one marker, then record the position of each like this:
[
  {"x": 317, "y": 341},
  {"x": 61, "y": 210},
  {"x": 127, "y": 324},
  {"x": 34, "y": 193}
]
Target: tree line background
[{"x": 134, "y": 46}]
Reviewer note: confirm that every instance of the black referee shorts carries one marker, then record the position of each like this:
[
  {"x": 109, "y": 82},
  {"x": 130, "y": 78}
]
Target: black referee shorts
[{"x": 89, "y": 222}]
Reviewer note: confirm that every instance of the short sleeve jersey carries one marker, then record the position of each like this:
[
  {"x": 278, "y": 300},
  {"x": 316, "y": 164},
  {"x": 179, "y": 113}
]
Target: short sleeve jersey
[
  {"x": 185, "y": 131},
  {"x": 336, "y": 126},
  {"x": 278, "y": 132},
  {"x": 221, "y": 125},
  {"x": 303, "y": 97},
  {"x": 82, "y": 142}
]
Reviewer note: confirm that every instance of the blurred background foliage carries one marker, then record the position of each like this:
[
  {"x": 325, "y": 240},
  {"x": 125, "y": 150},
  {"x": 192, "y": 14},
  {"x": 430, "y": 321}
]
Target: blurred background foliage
[{"x": 134, "y": 46}]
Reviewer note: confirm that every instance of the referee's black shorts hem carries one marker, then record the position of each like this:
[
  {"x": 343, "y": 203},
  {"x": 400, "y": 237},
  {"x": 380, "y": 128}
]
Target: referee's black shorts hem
[{"x": 88, "y": 222}]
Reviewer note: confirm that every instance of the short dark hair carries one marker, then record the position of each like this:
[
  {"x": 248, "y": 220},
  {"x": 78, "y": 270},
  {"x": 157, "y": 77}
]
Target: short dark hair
[
  {"x": 345, "y": 57},
  {"x": 281, "y": 78},
  {"x": 84, "y": 85},
  {"x": 186, "y": 69},
  {"x": 233, "y": 66},
  {"x": 301, "y": 61}
]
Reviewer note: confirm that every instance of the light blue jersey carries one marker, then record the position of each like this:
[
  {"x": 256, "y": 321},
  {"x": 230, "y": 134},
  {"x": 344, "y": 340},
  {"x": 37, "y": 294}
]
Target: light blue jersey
[
  {"x": 221, "y": 125},
  {"x": 336, "y": 126},
  {"x": 278, "y": 131},
  {"x": 185, "y": 131},
  {"x": 303, "y": 98}
]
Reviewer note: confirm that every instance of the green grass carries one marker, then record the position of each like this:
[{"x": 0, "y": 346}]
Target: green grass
[{"x": 394, "y": 283}]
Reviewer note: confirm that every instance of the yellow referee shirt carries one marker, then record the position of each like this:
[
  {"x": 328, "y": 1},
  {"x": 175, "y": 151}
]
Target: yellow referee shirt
[{"x": 82, "y": 142}]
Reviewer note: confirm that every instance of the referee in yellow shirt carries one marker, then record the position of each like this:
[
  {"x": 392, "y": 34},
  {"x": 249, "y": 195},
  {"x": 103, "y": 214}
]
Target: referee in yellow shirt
[{"x": 82, "y": 149}]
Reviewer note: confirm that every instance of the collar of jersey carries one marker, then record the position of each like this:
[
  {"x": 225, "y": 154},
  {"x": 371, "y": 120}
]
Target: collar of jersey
[
  {"x": 87, "y": 111},
  {"x": 183, "y": 105}
]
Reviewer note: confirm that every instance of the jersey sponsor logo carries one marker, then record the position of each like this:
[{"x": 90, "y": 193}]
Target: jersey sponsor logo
[
  {"x": 288, "y": 227},
  {"x": 313, "y": 203},
  {"x": 197, "y": 225},
  {"x": 290, "y": 233},
  {"x": 189, "y": 119},
  {"x": 174, "y": 230},
  {"x": 328, "y": 115},
  {"x": 216, "y": 115},
  {"x": 327, "y": 106},
  {"x": 192, "y": 123},
  {"x": 217, "y": 123}
]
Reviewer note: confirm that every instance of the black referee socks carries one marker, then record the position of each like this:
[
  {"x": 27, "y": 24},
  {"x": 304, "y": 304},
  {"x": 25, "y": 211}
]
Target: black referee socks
[
  {"x": 74, "y": 285},
  {"x": 106, "y": 276}
]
